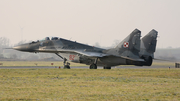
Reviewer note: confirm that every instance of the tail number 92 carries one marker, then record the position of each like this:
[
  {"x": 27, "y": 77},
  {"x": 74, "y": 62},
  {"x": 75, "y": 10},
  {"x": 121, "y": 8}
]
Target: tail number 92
[{"x": 71, "y": 57}]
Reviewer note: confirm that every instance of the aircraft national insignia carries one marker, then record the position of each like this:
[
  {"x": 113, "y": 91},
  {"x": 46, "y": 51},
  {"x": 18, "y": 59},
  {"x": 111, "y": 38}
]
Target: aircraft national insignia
[{"x": 126, "y": 44}]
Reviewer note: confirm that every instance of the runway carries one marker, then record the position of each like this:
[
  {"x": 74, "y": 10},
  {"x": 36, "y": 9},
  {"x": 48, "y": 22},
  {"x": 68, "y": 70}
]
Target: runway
[{"x": 85, "y": 67}]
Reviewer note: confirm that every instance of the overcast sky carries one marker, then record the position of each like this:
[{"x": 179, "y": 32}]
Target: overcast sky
[{"x": 90, "y": 21}]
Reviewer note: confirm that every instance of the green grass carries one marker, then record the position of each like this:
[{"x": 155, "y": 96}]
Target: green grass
[
  {"x": 39, "y": 63},
  {"x": 87, "y": 85},
  {"x": 171, "y": 64},
  {"x": 60, "y": 63}
]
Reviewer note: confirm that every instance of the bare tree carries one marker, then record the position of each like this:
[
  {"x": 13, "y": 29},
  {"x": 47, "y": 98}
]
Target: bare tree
[
  {"x": 97, "y": 44},
  {"x": 116, "y": 42},
  {"x": 4, "y": 43},
  {"x": 21, "y": 42},
  {"x": 1, "y": 56}
]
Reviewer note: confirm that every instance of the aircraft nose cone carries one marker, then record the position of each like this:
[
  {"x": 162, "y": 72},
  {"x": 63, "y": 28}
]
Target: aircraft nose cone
[
  {"x": 21, "y": 47},
  {"x": 17, "y": 47},
  {"x": 25, "y": 48}
]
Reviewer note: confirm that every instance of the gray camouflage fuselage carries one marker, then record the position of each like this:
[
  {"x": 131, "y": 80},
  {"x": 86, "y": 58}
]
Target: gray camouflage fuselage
[{"x": 128, "y": 52}]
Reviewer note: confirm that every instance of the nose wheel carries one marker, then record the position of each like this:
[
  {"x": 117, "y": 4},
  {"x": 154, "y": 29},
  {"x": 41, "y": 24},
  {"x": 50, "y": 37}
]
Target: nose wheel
[{"x": 66, "y": 64}]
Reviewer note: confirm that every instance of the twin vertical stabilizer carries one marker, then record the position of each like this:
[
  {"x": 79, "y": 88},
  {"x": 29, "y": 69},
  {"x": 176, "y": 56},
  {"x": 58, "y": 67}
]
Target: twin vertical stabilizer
[
  {"x": 148, "y": 43},
  {"x": 135, "y": 48},
  {"x": 148, "y": 47}
]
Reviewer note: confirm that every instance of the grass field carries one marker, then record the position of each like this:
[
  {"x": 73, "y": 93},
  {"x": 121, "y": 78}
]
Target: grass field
[
  {"x": 38, "y": 63},
  {"x": 87, "y": 85},
  {"x": 60, "y": 63}
]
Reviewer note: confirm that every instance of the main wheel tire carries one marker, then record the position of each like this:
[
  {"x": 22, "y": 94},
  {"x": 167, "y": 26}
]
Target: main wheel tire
[
  {"x": 149, "y": 61},
  {"x": 66, "y": 67},
  {"x": 93, "y": 66},
  {"x": 106, "y": 67}
]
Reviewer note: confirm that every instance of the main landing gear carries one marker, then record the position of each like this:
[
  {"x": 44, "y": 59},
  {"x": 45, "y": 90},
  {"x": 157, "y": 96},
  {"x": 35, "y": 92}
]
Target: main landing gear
[{"x": 94, "y": 65}]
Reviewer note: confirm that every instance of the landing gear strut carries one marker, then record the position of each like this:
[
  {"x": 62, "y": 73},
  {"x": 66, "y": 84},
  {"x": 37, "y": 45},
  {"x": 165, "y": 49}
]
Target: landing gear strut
[
  {"x": 66, "y": 64},
  {"x": 93, "y": 65}
]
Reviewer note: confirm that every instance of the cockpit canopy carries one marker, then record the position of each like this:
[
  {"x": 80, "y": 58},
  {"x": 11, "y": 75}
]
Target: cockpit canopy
[
  {"x": 46, "y": 38},
  {"x": 52, "y": 38}
]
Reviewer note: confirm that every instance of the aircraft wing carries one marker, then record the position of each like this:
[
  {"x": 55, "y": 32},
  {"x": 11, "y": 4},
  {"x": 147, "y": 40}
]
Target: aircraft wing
[
  {"x": 89, "y": 54},
  {"x": 98, "y": 55},
  {"x": 82, "y": 52}
]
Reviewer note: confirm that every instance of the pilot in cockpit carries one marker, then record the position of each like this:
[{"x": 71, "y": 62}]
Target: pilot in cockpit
[
  {"x": 54, "y": 38},
  {"x": 47, "y": 38}
]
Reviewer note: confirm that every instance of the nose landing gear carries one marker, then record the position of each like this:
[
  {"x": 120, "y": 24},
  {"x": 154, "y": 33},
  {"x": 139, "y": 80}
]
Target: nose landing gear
[{"x": 66, "y": 64}]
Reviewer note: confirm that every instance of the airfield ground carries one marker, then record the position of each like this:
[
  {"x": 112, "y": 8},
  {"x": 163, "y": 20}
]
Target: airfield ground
[
  {"x": 60, "y": 63},
  {"x": 85, "y": 84}
]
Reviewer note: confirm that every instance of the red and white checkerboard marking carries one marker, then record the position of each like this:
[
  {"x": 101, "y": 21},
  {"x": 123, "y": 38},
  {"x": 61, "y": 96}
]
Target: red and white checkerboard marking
[{"x": 126, "y": 44}]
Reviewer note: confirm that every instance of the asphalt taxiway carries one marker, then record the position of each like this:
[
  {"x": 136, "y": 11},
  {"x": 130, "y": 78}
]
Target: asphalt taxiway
[{"x": 85, "y": 67}]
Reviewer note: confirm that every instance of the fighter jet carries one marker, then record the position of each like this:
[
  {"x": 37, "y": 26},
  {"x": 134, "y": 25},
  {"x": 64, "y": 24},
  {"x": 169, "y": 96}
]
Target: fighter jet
[{"x": 131, "y": 51}]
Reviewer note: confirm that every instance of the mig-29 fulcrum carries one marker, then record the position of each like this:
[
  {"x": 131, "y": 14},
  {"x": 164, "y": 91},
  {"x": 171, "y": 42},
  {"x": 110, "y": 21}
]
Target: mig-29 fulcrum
[{"x": 131, "y": 51}]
